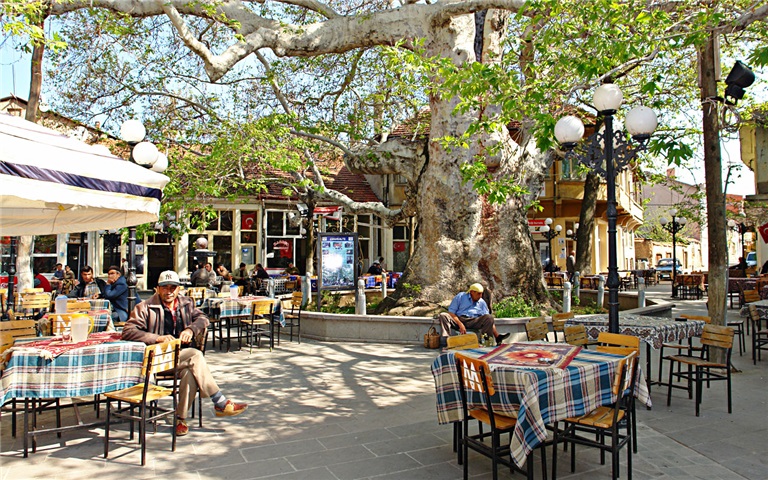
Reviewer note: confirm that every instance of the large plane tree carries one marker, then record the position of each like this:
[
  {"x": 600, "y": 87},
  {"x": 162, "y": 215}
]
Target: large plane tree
[{"x": 495, "y": 74}]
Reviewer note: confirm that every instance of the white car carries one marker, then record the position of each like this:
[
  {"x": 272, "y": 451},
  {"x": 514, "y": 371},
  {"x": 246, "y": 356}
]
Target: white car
[{"x": 752, "y": 259}]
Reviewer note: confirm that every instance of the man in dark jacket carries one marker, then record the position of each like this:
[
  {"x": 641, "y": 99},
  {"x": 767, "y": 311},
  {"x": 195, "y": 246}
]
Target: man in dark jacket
[
  {"x": 200, "y": 277},
  {"x": 89, "y": 287},
  {"x": 165, "y": 316},
  {"x": 116, "y": 292}
]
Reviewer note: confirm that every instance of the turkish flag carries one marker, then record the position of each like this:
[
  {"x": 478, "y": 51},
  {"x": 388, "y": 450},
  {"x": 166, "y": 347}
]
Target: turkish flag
[
  {"x": 763, "y": 229},
  {"x": 248, "y": 221}
]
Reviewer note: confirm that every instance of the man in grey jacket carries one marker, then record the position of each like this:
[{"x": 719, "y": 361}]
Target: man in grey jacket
[{"x": 166, "y": 316}]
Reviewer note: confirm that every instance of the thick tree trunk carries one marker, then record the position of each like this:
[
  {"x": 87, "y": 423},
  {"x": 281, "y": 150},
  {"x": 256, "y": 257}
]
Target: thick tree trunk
[
  {"x": 587, "y": 224},
  {"x": 462, "y": 237},
  {"x": 716, "y": 224}
]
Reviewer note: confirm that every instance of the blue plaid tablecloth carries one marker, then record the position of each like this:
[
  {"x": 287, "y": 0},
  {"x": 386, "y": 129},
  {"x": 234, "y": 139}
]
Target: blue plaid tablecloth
[
  {"x": 536, "y": 397},
  {"x": 652, "y": 330},
  {"x": 241, "y": 306},
  {"x": 80, "y": 372}
]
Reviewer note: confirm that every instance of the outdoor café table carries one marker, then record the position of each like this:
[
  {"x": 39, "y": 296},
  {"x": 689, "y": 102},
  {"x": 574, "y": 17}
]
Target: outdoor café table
[
  {"x": 687, "y": 283},
  {"x": 652, "y": 330},
  {"x": 47, "y": 368},
  {"x": 538, "y": 396},
  {"x": 230, "y": 309}
]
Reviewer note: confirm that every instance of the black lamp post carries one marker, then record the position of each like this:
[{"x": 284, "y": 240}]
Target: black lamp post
[
  {"x": 549, "y": 233},
  {"x": 9, "y": 306},
  {"x": 673, "y": 226},
  {"x": 742, "y": 229},
  {"x": 146, "y": 155},
  {"x": 607, "y": 154}
]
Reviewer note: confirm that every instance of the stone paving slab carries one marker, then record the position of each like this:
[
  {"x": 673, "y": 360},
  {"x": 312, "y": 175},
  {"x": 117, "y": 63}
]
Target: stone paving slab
[{"x": 346, "y": 411}]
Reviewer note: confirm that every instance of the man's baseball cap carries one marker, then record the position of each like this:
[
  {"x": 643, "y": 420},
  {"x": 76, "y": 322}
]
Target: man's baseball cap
[
  {"x": 168, "y": 277},
  {"x": 476, "y": 287}
]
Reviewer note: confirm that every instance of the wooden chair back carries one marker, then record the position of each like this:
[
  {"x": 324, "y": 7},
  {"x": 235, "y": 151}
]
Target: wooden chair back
[
  {"x": 474, "y": 375},
  {"x": 718, "y": 336},
  {"x": 197, "y": 293},
  {"x": 76, "y": 305},
  {"x": 15, "y": 329},
  {"x": 32, "y": 290},
  {"x": 462, "y": 342},
  {"x": 625, "y": 374},
  {"x": 559, "y": 319},
  {"x": 224, "y": 294},
  {"x": 751, "y": 296},
  {"x": 292, "y": 306},
  {"x": 537, "y": 329},
  {"x": 262, "y": 307},
  {"x": 618, "y": 343},
  {"x": 35, "y": 301},
  {"x": 290, "y": 285},
  {"x": 702, "y": 318},
  {"x": 576, "y": 335},
  {"x": 161, "y": 357}
]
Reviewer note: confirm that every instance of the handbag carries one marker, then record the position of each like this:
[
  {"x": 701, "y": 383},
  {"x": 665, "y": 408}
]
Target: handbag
[{"x": 432, "y": 338}]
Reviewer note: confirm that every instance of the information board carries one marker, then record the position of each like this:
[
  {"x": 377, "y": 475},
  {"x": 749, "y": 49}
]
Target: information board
[{"x": 337, "y": 261}]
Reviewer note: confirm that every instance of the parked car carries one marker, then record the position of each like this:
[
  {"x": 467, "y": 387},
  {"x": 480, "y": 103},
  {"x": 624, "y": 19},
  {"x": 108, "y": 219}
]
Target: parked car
[
  {"x": 664, "y": 268},
  {"x": 752, "y": 259}
]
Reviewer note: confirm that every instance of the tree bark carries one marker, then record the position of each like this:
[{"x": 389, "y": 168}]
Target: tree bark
[
  {"x": 713, "y": 173},
  {"x": 587, "y": 224},
  {"x": 463, "y": 238}
]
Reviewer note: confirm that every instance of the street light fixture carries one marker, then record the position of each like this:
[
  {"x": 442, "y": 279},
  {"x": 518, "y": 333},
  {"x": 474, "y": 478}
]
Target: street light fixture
[
  {"x": 673, "y": 226},
  {"x": 144, "y": 154},
  {"x": 607, "y": 154},
  {"x": 573, "y": 234},
  {"x": 549, "y": 234}
]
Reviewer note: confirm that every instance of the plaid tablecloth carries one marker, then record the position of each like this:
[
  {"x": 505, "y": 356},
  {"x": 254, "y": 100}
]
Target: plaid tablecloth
[
  {"x": 536, "y": 397},
  {"x": 81, "y": 372},
  {"x": 652, "y": 330},
  {"x": 241, "y": 306}
]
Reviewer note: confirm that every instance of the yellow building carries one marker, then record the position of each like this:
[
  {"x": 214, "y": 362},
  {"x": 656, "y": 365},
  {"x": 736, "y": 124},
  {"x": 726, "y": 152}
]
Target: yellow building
[{"x": 561, "y": 197}]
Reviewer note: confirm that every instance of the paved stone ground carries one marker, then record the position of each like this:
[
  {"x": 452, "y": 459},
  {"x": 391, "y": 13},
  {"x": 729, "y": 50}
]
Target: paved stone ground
[{"x": 367, "y": 411}]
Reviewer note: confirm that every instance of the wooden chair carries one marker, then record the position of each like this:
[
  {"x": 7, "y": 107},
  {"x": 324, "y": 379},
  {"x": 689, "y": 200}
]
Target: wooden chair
[
  {"x": 537, "y": 329},
  {"x": 603, "y": 424},
  {"x": 558, "y": 322},
  {"x": 475, "y": 378},
  {"x": 759, "y": 335},
  {"x": 700, "y": 368},
  {"x": 157, "y": 358},
  {"x": 749, "y": 296},
  {"x": 76, "y": 305},
  {"x": 34, "y": 305},
  {"x": 617, "y": 343},
  {"x": 260, "y": 323},
  {"x": 230, "y": 320},
  {"x": 577, "y": 335},
  {"x": 292, "y": 314},
  {"x": 680, "y": 346},
  {"x": 198, "y": 293},
  {"x": 166, "y": 378},
  {"x": 10, "y": 332},
  {"x": 462, "y": 342}
]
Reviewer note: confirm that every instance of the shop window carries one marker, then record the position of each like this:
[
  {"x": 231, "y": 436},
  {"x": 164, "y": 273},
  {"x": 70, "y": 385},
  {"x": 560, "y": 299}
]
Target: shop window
[{"x": 222, "y": 244}]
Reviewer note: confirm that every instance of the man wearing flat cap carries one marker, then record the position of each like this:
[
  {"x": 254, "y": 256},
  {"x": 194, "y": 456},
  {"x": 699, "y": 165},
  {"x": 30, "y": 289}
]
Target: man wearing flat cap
[
  {"x": 468, "y": 310},
  {"x": 165, "y": 316}
]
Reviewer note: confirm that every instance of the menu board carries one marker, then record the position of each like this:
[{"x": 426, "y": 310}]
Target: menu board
[{"x": 337, "y": 260}]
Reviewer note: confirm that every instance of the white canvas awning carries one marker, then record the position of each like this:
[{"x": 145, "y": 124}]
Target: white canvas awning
[{"x": 51, "y": 183}]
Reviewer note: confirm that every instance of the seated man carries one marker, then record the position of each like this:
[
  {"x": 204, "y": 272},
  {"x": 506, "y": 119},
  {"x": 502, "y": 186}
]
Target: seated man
[
  {"x": 469, "y": 310},
  {"x": 375, "y": 269},
  {"x": 200, "y": 277},
  {"x": 89, "y": 287},
  {"x": 116, "y": 292},
  {"x": 291, "y": 270},
  {"x": 241, "y": 277},
  {"x": 166, "y": 316}
]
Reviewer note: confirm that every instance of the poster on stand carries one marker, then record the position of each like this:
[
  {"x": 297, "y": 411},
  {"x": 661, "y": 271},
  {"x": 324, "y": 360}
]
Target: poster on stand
[{"x": 337, "y": 261}]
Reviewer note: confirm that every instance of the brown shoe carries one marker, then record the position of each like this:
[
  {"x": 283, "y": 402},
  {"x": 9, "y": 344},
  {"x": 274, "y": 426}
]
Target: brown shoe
[
  {"x": 181, "y": 427},
  {"x": 230, "y": 409}
]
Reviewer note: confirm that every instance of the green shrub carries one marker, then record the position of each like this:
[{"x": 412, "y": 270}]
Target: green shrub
[{"x": 515, "y": 306}]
